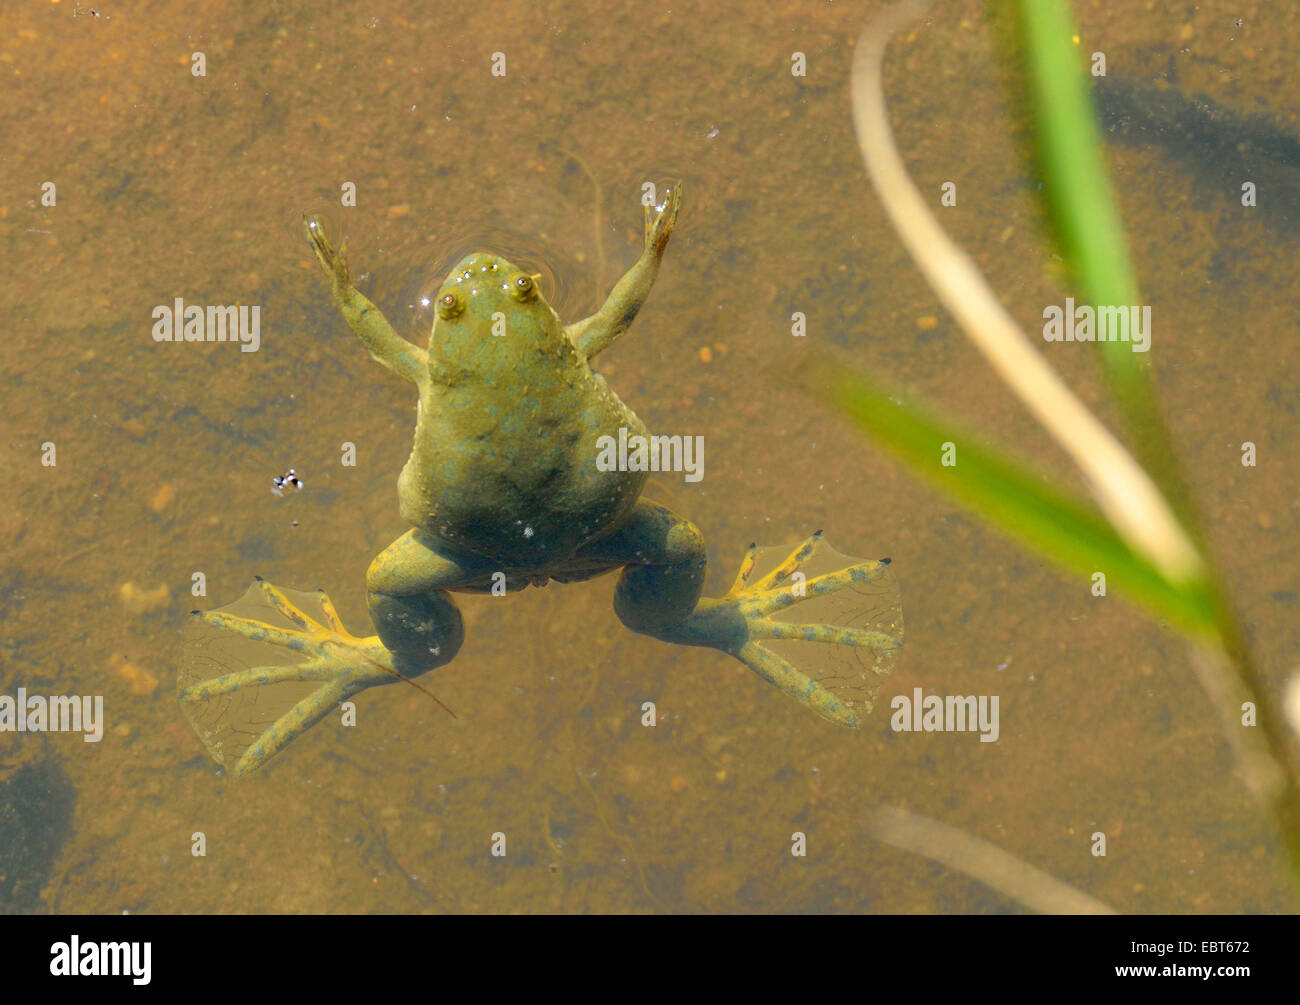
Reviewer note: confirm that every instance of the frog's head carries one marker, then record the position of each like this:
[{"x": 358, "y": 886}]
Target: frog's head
[{"x": 491, "y": 314}]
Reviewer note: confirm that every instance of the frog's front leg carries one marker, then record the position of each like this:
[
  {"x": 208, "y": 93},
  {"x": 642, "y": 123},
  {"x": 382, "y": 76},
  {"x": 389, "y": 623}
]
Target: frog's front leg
[
  {"x": 591, "y": 335},
  {"x": 365, "y": 319},
  {"x": 659, "y": 594}
]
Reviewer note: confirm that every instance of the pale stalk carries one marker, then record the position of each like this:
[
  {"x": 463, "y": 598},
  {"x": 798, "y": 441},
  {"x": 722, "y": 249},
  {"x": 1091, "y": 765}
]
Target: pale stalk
[
  {"x": 1122, "y": 489},
  {"x": 1028, "y": 885}
]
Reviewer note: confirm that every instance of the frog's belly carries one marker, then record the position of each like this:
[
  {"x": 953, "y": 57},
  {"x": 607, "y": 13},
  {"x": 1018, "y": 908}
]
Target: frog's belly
[{"x": 527, "y": 500}]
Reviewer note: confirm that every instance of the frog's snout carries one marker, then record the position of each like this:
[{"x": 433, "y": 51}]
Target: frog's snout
[
  {"x": 488, "y": 279},
  {"x": 478, "y": 266}
]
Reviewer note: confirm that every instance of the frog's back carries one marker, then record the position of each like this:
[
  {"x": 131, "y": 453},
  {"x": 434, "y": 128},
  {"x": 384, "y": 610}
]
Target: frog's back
[{"x": 504, "y": 462}]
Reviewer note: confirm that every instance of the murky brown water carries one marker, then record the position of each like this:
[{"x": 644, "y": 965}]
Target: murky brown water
[{"x": 171, "y": 186}]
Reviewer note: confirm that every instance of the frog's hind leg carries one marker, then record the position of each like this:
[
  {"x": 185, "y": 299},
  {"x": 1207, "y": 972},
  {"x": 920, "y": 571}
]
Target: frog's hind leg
[
  {"x": 850, "y": 605},
  {"x": 406, "y": 592},
  {"x": 306, "y": 662},
  {"x": 659, "y": 594},
  {"x": 299, "y": 640}
]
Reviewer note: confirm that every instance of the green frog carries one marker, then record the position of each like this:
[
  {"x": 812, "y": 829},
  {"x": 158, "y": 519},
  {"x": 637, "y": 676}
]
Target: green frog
[{"x": 502, "y": 491}]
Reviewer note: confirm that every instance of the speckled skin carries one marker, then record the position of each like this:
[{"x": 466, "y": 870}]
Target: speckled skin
[
  {"x": 502, "y": 485},
  {"x": 503, "y": 464}
]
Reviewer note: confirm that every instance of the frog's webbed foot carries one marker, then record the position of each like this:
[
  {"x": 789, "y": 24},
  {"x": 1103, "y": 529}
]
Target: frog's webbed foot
[
  {"x": 309, "y": 663},
  {"x": 850, "y": 605}
]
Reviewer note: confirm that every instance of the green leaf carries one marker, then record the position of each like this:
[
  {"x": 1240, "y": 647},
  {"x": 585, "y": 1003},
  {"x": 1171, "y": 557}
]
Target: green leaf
[
  {"x": 1083, "y": 215},
  {"x": 1007, "y": 493}
]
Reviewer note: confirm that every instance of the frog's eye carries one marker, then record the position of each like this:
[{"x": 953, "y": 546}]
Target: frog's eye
[
  {"x": 450, "y": 306},
  {"x": 525, "y": 289}
]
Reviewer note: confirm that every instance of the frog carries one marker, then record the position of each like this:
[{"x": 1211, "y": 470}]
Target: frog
[{"x": 501, "y": 492}]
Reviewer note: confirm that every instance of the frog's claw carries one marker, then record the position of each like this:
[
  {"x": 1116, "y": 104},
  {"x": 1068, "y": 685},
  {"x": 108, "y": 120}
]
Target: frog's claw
[
  {"x": 659, "y": 226},
  {"x": 225, "y": 710},
  {"x": 333, "y": 263}
]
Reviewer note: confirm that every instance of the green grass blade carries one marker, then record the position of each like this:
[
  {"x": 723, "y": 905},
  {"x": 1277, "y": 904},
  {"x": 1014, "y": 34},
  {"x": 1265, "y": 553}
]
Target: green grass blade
[
  {"x": 1008, "y": 494},
  {"x": 1069, "y": 148},
  {"x": 1083, "y": 215}
]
